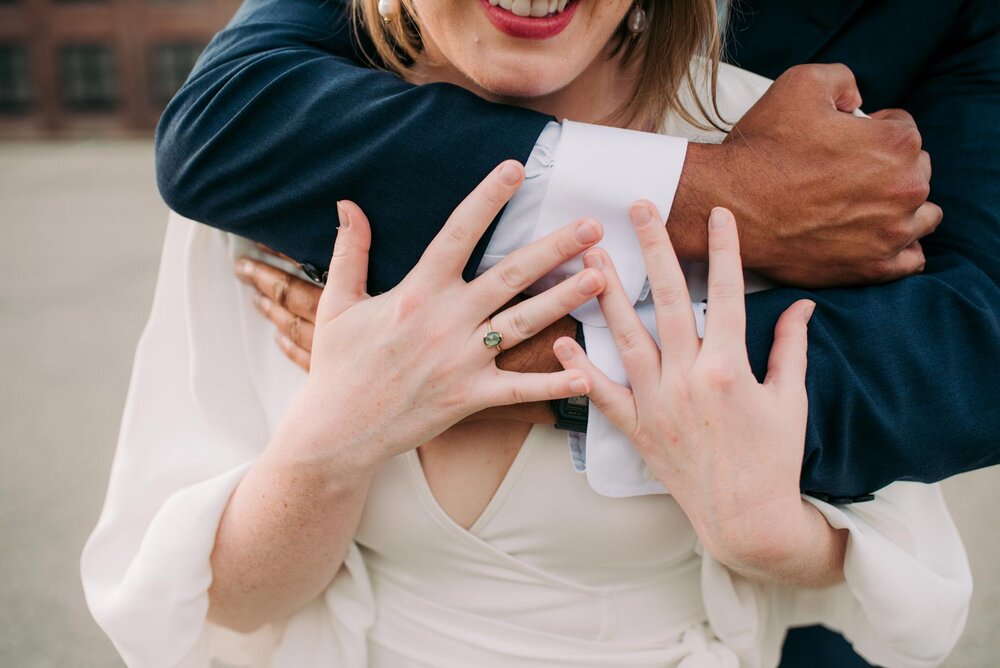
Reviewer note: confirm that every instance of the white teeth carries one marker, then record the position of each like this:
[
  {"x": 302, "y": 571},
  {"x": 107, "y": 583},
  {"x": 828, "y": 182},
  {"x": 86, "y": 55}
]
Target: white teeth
[{"x": 536, "y": 8}]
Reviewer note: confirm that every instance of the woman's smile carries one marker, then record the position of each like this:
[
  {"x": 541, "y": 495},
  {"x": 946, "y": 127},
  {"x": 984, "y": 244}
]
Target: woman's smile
[{"x": 530, "y": 19}]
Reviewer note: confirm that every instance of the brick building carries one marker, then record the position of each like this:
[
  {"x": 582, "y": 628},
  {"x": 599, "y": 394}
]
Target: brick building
[{"x": 97, "y": 67}]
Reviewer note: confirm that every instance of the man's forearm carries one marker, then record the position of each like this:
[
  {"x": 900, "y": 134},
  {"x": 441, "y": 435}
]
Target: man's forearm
[{"x": 227, "y": 143}]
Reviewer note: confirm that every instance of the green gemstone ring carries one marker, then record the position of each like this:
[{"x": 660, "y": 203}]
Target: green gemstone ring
[{"x": 493, "y": 338}]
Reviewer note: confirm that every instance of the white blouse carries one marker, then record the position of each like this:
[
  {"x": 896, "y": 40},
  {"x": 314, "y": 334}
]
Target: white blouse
[{"x": 552, "y": 574}]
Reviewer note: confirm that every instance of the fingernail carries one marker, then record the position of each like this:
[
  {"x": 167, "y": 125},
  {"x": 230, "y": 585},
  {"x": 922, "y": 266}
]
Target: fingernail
[
  {"x": 343, "y": 216},
  {"x": 593, "y": 260},
  {"x": 807, "y": 312},
  {"x": 283, "y": 340},
  {"x": 562, "y": 351},
  {"x": 510, "y": 173},
  {"x": 641, "y": 215},
  {"x": 588, "y": 284},
  {"x": 718, "y": 219},
  {"x": 579, "y": 386},
  {"x": 244, "y": 268},
  {"x": 587, "y": 232}
]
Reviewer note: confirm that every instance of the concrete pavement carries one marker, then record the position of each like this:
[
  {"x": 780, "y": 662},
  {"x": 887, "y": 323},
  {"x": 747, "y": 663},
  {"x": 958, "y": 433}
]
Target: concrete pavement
[{"x": 80, "y": 231}]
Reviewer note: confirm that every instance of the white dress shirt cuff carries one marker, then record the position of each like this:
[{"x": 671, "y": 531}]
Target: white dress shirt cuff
[
  {"x": 576, "y": 171},
  {"x": 598, "y": 173},
  {"x": 516, "y": 227}
]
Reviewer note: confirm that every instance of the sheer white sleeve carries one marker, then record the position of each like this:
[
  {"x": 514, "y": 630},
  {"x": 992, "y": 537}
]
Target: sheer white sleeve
[
  {"x": 196, "y": 417},
  {"x": 904, "y": 600}
]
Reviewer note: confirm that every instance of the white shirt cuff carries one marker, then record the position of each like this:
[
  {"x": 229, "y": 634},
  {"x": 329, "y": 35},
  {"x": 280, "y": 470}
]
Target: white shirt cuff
[
  {"x": 516, "y": 227},
  {"x": 599, "y": 172},
  {"x": 576, "y": 171}
]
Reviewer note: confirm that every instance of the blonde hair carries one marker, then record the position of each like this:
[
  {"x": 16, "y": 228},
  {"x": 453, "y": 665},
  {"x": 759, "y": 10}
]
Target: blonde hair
[{"x": 678, "y": 32}]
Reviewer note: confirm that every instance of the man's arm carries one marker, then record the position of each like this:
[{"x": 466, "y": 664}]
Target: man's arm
[
  {"x": 903, "y": 378},
  {"x": 276, "y": 124},
  {"x": 280, "y": 120}
]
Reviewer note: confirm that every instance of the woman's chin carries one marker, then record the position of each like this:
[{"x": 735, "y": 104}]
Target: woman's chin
[{"x": 521, "y": 84}]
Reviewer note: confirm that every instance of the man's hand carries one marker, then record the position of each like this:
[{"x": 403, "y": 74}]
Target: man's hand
[
  {"x": 823, "y": 197},
  {"x": 290, "y": 303}
]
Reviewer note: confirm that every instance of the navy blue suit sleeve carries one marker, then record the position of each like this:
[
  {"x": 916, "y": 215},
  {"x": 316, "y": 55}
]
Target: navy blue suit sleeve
[
  {"x": 903, "y": 378},
  {"x": 278, "y": 122}
]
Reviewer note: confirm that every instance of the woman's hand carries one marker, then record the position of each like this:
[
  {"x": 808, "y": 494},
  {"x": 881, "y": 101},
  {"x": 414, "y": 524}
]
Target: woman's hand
[
  {"x": 400, "y": 368},
  {"x": 729, "y": 449}
]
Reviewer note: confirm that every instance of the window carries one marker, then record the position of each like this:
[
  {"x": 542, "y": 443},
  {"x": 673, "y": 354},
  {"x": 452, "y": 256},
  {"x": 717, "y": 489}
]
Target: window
[
  {"x": 15, "y": 84},
  {"x": 170, "y": 65},
  {"x": 89, "y": 77}
]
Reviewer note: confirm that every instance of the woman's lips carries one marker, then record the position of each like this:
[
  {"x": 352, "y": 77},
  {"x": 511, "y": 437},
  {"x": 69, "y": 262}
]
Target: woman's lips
[{"x": 512, "y": 21}]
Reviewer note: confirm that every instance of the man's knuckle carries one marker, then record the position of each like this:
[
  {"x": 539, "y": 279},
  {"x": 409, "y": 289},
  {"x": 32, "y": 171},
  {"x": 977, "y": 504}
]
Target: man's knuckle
[{"x": 280, "y": 289}]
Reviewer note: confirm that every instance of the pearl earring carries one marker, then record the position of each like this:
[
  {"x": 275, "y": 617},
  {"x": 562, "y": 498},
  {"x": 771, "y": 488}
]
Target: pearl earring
[
  {"x": 637, "y": 21},
  {"x": 388, "y": 9}
]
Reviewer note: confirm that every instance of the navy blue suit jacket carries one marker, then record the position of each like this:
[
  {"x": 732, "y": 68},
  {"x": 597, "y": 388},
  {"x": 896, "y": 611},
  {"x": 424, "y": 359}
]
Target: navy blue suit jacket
[{"x": 278, "y": 122}]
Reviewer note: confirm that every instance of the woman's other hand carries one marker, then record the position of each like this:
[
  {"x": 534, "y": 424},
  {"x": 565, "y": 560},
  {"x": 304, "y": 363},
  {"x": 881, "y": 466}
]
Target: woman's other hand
[
  {"x": 729, "y": 449},
  {"x": 390, "y": 372}
]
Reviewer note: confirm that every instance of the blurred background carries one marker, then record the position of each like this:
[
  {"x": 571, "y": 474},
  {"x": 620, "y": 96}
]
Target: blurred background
[
  {"x": 82, "y": 83},
  {"x": 71, "y": 68}
]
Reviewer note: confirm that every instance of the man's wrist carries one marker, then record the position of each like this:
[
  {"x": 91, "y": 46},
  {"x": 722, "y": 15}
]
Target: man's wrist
[
  {"x": 700, "y": 189},
  {"x": 535, "y": 355}
]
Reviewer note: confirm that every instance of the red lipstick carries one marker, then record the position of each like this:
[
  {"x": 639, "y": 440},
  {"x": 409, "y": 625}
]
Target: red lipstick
[{"x": 529, "y": 27}]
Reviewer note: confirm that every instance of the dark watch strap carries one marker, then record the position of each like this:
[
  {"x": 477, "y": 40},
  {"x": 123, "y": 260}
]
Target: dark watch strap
[{"x": 571, "y": 414}]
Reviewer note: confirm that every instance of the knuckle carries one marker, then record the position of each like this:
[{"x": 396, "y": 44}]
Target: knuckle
[
  {"x": 895, "y": 237},
  {"x": 808, "y": 73},
  {"x": 511, "y": 273},
  {"x": 628, "y": 342},
  {"x": 668, "y": 295},
  {"x": 720, "y": 377},
  {"x": 280, "y": 289},
  {"x": 407, "y": 305},
  {"x": 456, "y": 233},
  {"x": 906, "y": 137},
  {"x": 882, "y": 269},
  {"x": 725, "y": 288},
  {"x": 516, "y": 395},
  {"x": 912, "y": 139},
  {"x": 520, "y": 326},
  {"x": 911, "y": 191},
  {"x": 566, "y": 245}
]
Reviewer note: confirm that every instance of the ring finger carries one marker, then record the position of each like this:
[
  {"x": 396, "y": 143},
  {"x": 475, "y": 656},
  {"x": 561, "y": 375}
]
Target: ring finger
[
  {"x": 298, "y": 330},
  {"x": 525, "y": 319}
]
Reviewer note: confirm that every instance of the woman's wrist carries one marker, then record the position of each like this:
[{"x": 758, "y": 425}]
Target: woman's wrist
[
  {"x": 311, "y": 437},
  {"x": 785, "y": 541}
]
